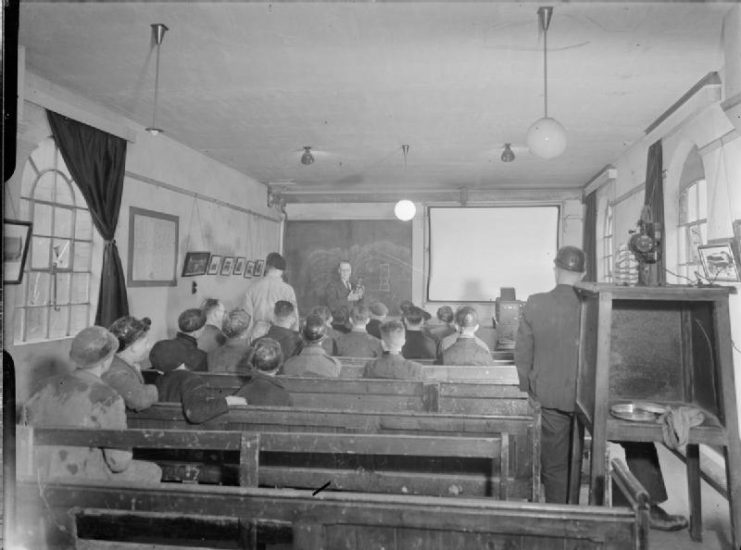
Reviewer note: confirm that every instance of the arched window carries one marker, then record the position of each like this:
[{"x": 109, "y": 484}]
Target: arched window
[
  {"x": 607, "y": 247},
  {"x": 693, "y": 208},
  {"x": 55, "y": 293}
]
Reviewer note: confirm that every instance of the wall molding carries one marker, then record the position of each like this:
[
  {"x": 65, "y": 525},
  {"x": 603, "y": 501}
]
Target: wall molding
[{"x": 607, "y": 175}]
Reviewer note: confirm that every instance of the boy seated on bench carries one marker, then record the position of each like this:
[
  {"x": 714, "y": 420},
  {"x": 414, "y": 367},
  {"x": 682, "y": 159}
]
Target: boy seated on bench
[
  {"x": 466, "y": 351},
  {"x": 330, "y": 342},
  {"x": 419, "y": 345},
  {"x": 313, "y": 359},
  {"x": 284, "y": 317},
  {"x": 191, "y": 323},
  {"x": 236, "y": 328},
  {"x": 212, "y": 336},
  {"x": 261, "y": 364},
  {"x": 357, "y": 342},
  {"x": 378, "y": 314},
  {"x": 392, "y": 364},
  {"x": 81, "y": 399}
]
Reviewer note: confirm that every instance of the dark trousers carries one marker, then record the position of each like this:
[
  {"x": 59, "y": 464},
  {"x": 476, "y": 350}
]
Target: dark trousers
[
  {"x": 643, "y": 462},
  {"x": 555, "y": 448}
]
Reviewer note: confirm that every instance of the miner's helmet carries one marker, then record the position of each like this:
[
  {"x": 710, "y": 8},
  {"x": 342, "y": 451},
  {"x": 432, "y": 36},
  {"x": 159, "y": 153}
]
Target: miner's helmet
[
  {"x": 570, "y": 258},
  {"x": 314, "y": 329}
]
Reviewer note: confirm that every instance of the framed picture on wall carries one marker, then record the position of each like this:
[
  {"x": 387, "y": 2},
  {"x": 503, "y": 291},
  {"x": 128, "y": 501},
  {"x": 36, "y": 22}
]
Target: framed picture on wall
[
  {"x": 196, "y": 263},
  {"x": 153, "y": 248},
  {"x": 249, "y": 268},
  {"x": 719, "y": 261},
  {"x": 226, "y": 267},
  {"x": 16, "y": 236},
  {"x": 214, "y": 264},
  {"x": 259, "y": 267},
  {"x": 239, "y": 266}
]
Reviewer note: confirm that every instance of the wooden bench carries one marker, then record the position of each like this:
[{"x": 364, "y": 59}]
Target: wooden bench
[{"x": 111, "y": 516}]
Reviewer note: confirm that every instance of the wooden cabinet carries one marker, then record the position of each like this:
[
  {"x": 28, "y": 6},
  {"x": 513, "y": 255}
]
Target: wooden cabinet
[{"x": 666, "y": 345}]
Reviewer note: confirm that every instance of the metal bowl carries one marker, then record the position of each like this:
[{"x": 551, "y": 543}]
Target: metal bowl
[{"x": 638, "y": 411}]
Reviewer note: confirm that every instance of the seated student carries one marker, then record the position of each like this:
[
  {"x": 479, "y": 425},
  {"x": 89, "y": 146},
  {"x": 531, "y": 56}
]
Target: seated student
[
  {"x": 451, "y": 339},
  {"x": 313, "y": 359},
  {"x": 341, "y": 320},
  {"x": 212, "y": 337},
  {"x": 185, "y": 343},
  {"x": 330, "y": 342},
  {"x": 392, "y": 364},
  {"x": 81, "y": 399},
  {"x": 261, "y": 365},
  {"x": 378, "y": 314},
  {"x": 236, "y": 328},
  {"x": 284, "y": 317},
  {"x": 357, "y": 342},
  {"x": 125, "y": 375},
  {"x": 418, "y": 344},
  {"x": 446, "y": 326},
  {"x": 466, "y": 351},
  {"x": 179, "y": 385}
]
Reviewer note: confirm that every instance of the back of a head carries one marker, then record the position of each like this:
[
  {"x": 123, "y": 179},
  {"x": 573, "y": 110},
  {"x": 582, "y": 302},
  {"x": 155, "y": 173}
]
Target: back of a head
[
  {"x": 340, "y": 316},
  {"x": 129, "y": 329},
  {"x": 267, "y": 355},
  {"x": 466, "y": 317},
  {"x": 283, "y": 310},
  {"x": 209, "y": 304},
  {"x": 323, "y": 312},
  {"x": 393, "y": 334},
  {"x": 414, "y": 315},
  {"x": 379, "y": 310},
  {"x": 191, "y": 320},
  {"x": 92, "y": 346},
  {"x": 360, "y": 315},
  {"x": 314, "y": 329},
  {"x": 570, "y": 258},
  {"x": 236, "y": 323},
  {"x": 445, "y": 314},
  {"x": 405, "y": 306},
  {"x": 275, "y": 261}
]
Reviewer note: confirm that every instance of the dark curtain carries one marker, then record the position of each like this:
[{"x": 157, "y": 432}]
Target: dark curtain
[
  {"x": 654, "y": 199},
  {"x": 589, "y": 236},
  {"x": 96, "y": 161}
]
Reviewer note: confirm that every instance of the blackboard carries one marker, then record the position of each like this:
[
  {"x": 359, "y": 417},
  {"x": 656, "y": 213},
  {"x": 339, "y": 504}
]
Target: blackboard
[{"x": 379, "y": 251}]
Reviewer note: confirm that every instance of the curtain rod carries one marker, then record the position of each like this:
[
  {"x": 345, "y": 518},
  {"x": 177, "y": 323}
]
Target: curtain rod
[{"x": 198, "y": 196}]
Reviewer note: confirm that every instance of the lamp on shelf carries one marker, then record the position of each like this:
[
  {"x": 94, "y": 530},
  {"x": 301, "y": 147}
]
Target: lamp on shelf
[
  {"x": 158, "y": 34},
  {"x": 546, "y": 137}
]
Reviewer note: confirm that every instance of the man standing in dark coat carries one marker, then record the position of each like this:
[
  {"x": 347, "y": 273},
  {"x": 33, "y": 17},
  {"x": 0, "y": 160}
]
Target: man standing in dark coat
[{"x": 341, "y": 292}]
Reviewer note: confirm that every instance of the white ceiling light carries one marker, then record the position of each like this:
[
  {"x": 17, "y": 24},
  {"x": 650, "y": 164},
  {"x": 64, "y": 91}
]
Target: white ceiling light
[
  {"x": 546, "y": 138},
  {"x": 158, "y": 34},
  {"x": 405, "y": 210}
]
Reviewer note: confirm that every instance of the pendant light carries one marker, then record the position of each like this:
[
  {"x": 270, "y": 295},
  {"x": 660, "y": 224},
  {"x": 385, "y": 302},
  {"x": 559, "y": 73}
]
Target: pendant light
[
  {"x": 546, "y": 138},
  {"x": 307, "y": 158},
  {"x": 158, "y": 33},
  {"x": 508, "y": 155},
  {"x": 405, "y": 209}
]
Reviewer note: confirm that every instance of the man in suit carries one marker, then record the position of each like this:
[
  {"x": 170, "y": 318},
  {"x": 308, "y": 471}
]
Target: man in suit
[{"x": 341, "y": 292}]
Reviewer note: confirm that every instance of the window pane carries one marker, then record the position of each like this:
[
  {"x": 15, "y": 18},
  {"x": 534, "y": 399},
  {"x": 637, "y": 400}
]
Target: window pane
[
  {"x": 80, "y": 287},
  {"x": 79, "y": 319},
  {"x": 702, "y": 200},
  {"x": 83, "y": 256},
  {"x": 63, "y": 281},
  {"x": 64, "y": 193},
  {"x": 44, "y": 190},
  {"x": 42, "y": 219},
  {"x": 692, "y": 203},
  {"x": 40, "y": 252},
  {"x": 38, "y": 288},
  {"x": 84, "y": 225},
  {"x": 62, "y": 253},
  {"x": 63, "y": 222},
  {"x": 36, "y": 320},
  {"x": 25, "y": 210},
  {"x": 683, "y": 206},
  {"x": 58, "y": 322},
  {"x": 19, "y": 318},
  {"x": 682, "y": 250},
  {"x": 696, "y": 240}
]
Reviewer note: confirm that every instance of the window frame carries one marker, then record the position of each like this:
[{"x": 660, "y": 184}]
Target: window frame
[{"x": 686, "y": 264}]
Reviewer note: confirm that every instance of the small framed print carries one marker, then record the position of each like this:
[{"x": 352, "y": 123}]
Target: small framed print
[
  {"x": 196, "y": 263},
  {"x": 239, "y": 266},
  {"x": 259, "y": 267},
  {"x": 249, "y": 268},
  {"x": 226, "y": 267},
  {"x": 719, "y": 261},
  {"x": 214, "y": 264}
]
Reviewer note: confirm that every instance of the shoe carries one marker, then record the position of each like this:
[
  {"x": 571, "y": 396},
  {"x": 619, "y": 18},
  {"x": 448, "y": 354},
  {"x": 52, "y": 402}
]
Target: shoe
[{"x": 661, "y": 520}]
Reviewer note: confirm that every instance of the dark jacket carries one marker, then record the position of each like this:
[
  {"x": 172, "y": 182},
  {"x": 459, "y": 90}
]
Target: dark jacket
[
  {"x": 466, "y": 351},
  {"x": 359, "y": 344},
  {"x": 335, "y": 296},
  {"x": 391, "y": 365},
  {"x": 184, "y": 348},
  {"x": 226, "y": 357},
  {"x": 374, "y": 328},
  {"x": 200, "y": 402},
  {"x": 289, "y": 340},
  {"x": 547, "y": 347},
  {"x": 419, "y": 346},
  {"x": 312, "y": 361},
  {"x": 265, "y": 390},
  {"x": 128, "y": 381}
]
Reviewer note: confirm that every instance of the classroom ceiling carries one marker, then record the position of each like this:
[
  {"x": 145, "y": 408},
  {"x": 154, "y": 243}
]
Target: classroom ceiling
[{"x": 251, "y": 83}]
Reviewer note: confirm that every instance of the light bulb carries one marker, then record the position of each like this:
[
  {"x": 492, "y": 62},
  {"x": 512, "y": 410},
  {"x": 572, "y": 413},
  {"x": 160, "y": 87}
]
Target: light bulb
[
  {"x": 508, "y": 155},
  {"x": 307, "y": 158},
  {"x": 405, "y": 210},
  {"x": 546, "y": 138}
]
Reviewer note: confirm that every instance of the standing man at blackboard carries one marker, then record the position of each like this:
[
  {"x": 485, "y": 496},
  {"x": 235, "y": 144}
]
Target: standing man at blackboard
[
  {"x": 341, "y": 292},
  {"x": 262, "y": 295}
]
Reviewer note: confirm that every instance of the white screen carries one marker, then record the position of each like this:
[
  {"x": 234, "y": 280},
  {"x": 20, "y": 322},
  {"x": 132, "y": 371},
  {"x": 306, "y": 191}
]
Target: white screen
[{"x": 476, "y": 251}]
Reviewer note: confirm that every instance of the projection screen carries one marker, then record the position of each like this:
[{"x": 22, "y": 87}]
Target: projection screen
[{"x": 475, "y": 251}]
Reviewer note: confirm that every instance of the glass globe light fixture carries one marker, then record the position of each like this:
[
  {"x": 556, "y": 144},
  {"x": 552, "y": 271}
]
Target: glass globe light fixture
[
  {"x": 546, "y": 138},
  {"x": 405, "y": 210}
]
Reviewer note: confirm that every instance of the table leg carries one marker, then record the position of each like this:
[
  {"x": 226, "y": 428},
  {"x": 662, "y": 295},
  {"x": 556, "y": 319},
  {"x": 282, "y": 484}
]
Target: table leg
[
  {"x": 733, "y": 475},
  {"x": 693, "y": 489}
]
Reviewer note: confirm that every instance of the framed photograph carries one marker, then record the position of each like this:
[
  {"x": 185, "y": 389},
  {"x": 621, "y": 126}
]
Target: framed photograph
[
  {"x": 719, "y": 261},
  {"x": 226, "y": 267},
  {"x": 259, "y": 267},
  {"x": 214, "y": 264},
  {"x": 153, "y": 248},
  {"x": 239, "y": 266},
  {"x": 16, "y": 237},
  {"x": 196, "y": 263},
  {"x": 249, "y": 268}
]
